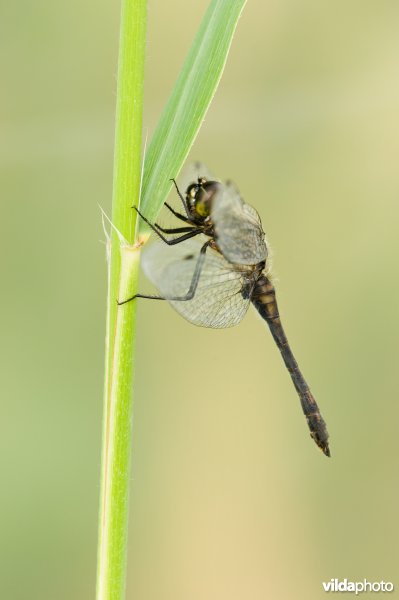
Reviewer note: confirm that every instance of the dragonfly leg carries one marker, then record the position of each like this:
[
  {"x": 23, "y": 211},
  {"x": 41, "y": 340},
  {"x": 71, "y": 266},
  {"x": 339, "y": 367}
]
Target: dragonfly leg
[
  {"x": 175, "y": 230},
  {"x": 196, "y": 275},
  {"x": 193, "y": 231},
  {"x": 140, "y": 296},
  {"x": 180, "y": 196},
  {"x": 193, "y": 285},
  {"x": 177, "y": 214}
]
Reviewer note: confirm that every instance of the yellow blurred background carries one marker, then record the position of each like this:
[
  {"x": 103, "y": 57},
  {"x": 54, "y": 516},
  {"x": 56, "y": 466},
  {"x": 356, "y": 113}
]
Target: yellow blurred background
[{"x": 230, "y": 498}]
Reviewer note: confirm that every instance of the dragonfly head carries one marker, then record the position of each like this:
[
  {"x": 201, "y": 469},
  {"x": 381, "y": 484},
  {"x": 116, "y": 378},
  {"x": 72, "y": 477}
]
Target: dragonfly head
[{"x": 199, "y": 197}]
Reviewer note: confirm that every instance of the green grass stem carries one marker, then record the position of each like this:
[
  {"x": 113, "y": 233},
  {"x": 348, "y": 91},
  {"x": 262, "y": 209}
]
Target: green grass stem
[{"x": 123, "y": 274}]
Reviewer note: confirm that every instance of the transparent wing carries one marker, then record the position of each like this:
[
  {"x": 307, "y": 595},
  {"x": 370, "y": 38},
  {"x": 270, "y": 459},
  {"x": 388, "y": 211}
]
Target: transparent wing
[
  {"x": 238, "y": 229},
  {"x": 217, "y": 302}
]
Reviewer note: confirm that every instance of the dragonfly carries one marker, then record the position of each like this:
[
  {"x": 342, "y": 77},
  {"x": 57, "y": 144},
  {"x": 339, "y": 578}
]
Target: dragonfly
[{"x": 217, "y": 266}]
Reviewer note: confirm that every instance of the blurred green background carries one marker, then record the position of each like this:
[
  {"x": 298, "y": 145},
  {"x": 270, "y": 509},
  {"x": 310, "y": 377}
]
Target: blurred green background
[{"x": 230, "y": 498}]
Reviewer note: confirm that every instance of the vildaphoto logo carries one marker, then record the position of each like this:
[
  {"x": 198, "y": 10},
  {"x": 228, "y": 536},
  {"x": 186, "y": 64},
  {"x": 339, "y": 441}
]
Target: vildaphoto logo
[{"x": 357, "y": 587}]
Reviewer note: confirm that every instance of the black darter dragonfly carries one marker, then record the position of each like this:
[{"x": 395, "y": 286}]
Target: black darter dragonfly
[{"x": 216, "y": 267}]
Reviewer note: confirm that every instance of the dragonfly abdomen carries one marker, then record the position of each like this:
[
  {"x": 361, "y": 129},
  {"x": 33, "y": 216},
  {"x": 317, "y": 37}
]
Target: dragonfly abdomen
[{"x": 264, "y": 299}]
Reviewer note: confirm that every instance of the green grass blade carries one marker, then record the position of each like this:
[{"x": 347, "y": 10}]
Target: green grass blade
[{"x": 188, "y": 103}]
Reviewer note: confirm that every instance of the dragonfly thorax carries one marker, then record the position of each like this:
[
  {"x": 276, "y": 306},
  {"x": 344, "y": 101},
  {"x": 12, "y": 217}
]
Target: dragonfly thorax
[{"x": 199, "y": 198}]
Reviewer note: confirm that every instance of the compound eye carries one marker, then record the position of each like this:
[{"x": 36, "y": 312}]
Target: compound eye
[
  {"x": 192, "y": 190},
  {"x": 191, "y": 193}
]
